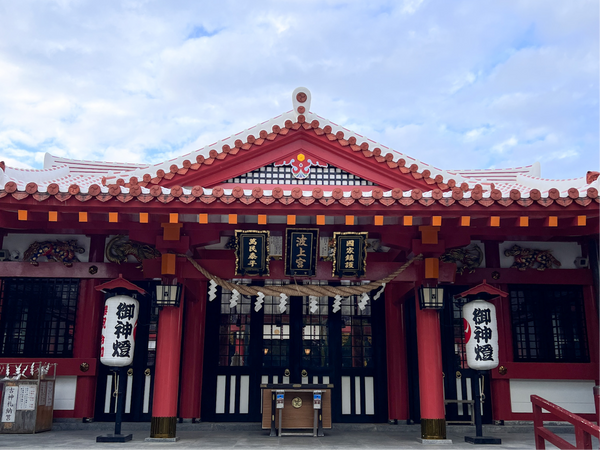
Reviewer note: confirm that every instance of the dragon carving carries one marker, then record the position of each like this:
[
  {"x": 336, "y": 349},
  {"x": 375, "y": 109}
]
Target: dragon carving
[
  {"x": 529, "y": 258},
  {"x": 466, "y": 258},
  {"x": 120, "y": 247},
  {"x": 63, "y": 251}
]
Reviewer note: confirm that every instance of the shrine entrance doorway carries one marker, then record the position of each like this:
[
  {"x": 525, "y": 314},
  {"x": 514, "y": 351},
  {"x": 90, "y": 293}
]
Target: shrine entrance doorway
[{"x": 301, "y": 342}]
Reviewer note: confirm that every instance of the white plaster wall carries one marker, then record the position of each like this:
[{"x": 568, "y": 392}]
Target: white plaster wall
[
  {"x": 565, "y": 252},
  {"x": 576, "y": 396},
  {"x": 64, "y": 393},
  {"x": 21, "y": 243}
]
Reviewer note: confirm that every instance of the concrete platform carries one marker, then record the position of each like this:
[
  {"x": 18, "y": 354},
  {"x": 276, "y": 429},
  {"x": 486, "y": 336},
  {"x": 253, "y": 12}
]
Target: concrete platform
[{"x": 77, "y": 435}]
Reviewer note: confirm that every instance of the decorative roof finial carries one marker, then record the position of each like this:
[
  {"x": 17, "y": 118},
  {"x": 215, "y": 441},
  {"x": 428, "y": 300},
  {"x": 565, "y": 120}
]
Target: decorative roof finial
[{"x": 301, "y": 100}]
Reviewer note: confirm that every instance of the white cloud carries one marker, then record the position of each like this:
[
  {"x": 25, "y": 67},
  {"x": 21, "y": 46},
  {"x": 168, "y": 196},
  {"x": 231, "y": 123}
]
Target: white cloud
[
  {"x": 503, "y": 146},
  {"x": 456, "y": 84}
]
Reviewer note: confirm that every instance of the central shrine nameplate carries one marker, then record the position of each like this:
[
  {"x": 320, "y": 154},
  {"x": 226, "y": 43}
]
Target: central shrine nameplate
[{"x": 301, "y": 252}]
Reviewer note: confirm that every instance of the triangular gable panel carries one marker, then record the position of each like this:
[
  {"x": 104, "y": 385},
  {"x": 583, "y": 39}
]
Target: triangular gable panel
[
  {"x": 237, "y": 162},
  {"x": 303, "y": 172}
]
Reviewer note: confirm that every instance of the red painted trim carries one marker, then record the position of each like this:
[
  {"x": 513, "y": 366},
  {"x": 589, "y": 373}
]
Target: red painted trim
[
  {"x": 64, "y": 366},
  {"x": 548, "y": 371},
  {"x": 86, "y": 343},
  {"x": 190, "y": 394},
  {"x": 482, "y": 288},
  {"x": 224, "y": 268},
  {"x": 500, "y": 399},
  {"x": 532, "y": 276},
  {"x": 97, "y": 242},
  {"x": 120, "y": 283},
  {"x": 78, "y": 270},
  {"x": 429, "y": 347},
  {"x": 492, "y": 253},
  {"x": 397, "y": 380},
  {"x": 505, "y": 343},
  {"x": 168, "y": 352}
]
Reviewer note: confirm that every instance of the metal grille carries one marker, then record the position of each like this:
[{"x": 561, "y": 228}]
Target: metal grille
[
  {"x": 234, "y": 331},
  {"x": 276, "y": 330},
  {"x": 357, "y": 333},
  {"x": 328, "y": 176},
  {"x": 38, "y": 316},
  {"x": 315, "y": 336},
  {"x": 548, "y": 324}
]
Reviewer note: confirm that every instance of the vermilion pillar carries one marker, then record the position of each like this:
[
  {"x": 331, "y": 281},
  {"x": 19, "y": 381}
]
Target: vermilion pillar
[
  {"x": 86, "y": 341},
  {"x": 431, "y": 382},
  {"x": 193, "y": 350},
  {"x": 166, "y": 374},
  {"x": 85, "y": 345},
  {"x": 396, "y": 355}
]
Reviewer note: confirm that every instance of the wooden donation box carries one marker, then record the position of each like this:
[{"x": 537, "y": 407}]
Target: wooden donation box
[{"x": 296, "y": 407}]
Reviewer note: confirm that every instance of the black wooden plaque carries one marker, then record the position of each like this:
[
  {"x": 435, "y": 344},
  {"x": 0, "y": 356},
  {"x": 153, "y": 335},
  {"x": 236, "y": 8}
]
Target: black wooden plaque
[
  {"x": 301, "y": 252},
  {"x": 350, "y": 254},
  {"x": 252, "y": 253}
]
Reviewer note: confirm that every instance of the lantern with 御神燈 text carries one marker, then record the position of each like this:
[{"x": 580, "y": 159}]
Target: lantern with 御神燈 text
[
  {"x": 481, "y": 335},
  {"x": 118, "y": 331}
]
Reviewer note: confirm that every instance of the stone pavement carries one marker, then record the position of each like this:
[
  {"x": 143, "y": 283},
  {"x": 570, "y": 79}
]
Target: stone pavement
[{"x": 249, "y": 436}]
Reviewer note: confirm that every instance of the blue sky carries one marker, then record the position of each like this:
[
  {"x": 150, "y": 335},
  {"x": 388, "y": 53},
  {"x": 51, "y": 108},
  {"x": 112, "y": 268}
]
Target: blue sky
[{"x": 462, "y": 84}]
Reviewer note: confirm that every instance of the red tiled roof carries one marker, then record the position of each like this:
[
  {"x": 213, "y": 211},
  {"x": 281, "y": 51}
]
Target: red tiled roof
[
  {"x": 326, "y": 198},
  {"x": 145, "y": 183}
]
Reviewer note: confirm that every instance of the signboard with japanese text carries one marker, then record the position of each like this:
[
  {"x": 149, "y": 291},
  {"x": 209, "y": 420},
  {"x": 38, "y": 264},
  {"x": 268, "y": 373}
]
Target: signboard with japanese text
[
  {"x": 350, "y": 254},
  {"x": 118, "y": 331},
  {"x": 27, "y": 397},
  {"x": 9, "y": 405},
  {"x": 481, "y": 335},
  {"x": 301, "y": 252},
  {"x": 252, "y": 253},
  {"x": 50, "y": 394},
  {"x": 42, "y": 396}
]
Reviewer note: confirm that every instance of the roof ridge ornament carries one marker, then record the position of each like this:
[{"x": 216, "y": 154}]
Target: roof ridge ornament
[{"x": 301, "y": 98}]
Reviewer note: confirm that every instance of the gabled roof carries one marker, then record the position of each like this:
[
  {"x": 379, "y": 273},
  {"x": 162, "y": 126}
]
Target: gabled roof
[{"x": 200, "y": 174}]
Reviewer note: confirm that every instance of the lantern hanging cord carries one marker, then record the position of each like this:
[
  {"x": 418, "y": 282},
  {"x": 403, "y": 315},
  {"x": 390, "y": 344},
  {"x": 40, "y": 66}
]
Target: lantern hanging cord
[{"x": 301, "y": 289}]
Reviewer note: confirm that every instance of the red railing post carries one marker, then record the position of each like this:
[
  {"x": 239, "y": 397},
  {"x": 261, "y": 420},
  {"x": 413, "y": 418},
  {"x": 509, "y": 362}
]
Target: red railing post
[
  {"x": 597, "y": 402},
  {"x": 538, "y": 423},
  {"x": 582, "y": 439}
]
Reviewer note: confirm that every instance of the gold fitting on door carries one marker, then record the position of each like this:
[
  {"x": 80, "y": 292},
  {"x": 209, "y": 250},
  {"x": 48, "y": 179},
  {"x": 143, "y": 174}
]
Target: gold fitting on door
[
  {"x": 304, "y": 373},
  {"x": 286, "y": 373},
  {"x": 458, "y": 374}
]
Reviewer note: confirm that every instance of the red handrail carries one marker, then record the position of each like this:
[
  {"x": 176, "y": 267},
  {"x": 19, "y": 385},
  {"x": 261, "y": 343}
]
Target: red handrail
[{"x": 584, "y": 429}]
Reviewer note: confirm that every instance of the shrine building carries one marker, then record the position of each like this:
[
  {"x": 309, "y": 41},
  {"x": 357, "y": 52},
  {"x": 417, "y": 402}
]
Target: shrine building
[{"x": 299, "y": 252}]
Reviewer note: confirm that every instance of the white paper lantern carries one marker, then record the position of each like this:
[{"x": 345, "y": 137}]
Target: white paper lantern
[
  {"x": 118, "y": 331},
  {"x": 481, "y": 334}
]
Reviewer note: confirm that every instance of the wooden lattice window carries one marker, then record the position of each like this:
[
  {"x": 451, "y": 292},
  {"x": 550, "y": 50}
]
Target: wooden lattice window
[
  {"x": 315, "y": 330},
  {"x": 548, "y": 324},
  {"x": 38, "y": 316},
  {"x": 357, "y": 333},
  {"x": 234, "y": 330}
]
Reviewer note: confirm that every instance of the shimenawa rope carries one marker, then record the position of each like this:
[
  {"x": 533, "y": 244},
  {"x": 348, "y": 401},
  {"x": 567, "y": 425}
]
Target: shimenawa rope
[{"x": 301, "y": 290}]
